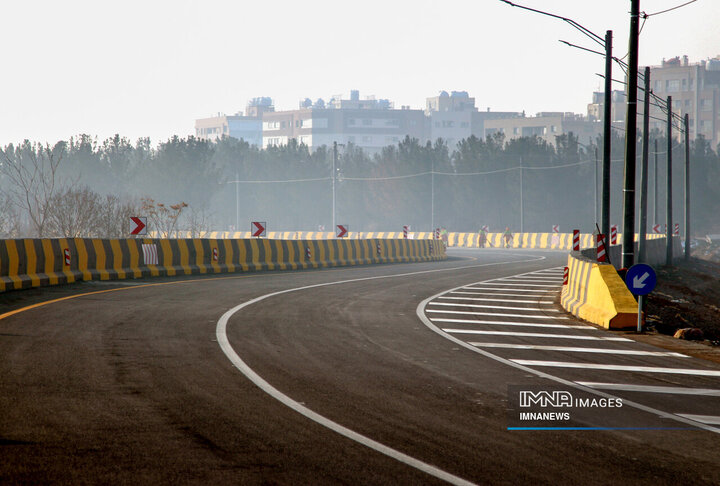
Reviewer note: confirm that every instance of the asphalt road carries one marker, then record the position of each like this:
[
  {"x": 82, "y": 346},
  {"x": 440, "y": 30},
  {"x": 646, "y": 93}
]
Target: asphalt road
[{"x": 361, "y": 376}]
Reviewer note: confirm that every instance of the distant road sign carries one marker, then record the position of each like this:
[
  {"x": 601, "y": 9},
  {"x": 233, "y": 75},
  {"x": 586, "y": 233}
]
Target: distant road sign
[
  {"x": 556, "y": 228},
  {"x": 341, "y": 231},
  {"x": 139, "y": 225},
  {"x": 641, "y": 279},
  {"x": 257, "y": 229},
  {"x": 658, "y": 229}
]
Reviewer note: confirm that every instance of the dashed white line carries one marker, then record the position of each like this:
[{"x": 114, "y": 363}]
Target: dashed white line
[
  {"x": 613, "y": 367},
  {"x": 510, "y": 290},
  {"x": 501, "y": 307},
  {"x": 546, "y": 302},
  {"x": 573, "y": 349},
  {"x": 534, "y": 334},
  {"x": 496, "y": 314},
  {"x": 706, "y": 419},
  {"x": 506, "y": 323},
  {"x": 673, "y": 390}
]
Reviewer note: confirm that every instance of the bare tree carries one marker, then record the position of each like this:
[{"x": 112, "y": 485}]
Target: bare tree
[
  {"x": 10, "y": 222},
  {"x": 162, "y": 218},
  {"x": 32, "y": 170},
  {"x": 198, "y": 222},
  {"x": 114, "y": 217},
  {"x": 73, "y": 213}
]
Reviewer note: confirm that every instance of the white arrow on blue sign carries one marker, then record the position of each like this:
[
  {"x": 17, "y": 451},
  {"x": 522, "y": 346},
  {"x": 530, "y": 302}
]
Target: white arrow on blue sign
[{"x": 641, "y": 279}]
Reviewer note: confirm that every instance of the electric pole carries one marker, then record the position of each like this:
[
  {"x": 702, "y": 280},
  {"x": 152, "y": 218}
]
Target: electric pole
[
  {"x": 687, "y": 187},
  {"x": 644, "y": 169},
  {"x": 628, "y": 241},
  {"x": 668, "y": 207},
  {"x": 607, "y": 135}
]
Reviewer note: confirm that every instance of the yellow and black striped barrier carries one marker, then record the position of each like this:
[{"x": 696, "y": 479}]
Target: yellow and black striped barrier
[{"x": 28, "y": 263}]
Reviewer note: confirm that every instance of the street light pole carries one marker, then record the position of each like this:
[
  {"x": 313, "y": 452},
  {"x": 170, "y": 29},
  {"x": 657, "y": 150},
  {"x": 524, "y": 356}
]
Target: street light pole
[
  {"x": 237, "y": 200},
  {"x": 644, "y": 170},
  {"x": 687, "y": 186},
  {"x": 628, "y": 243},
  {"x": 668, "y": 194},
  {"x": 335, "y": 155}
]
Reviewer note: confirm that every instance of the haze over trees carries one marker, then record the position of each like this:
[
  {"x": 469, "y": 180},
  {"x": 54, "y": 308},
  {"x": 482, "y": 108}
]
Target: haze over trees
[{"x": 83, "y": 187}]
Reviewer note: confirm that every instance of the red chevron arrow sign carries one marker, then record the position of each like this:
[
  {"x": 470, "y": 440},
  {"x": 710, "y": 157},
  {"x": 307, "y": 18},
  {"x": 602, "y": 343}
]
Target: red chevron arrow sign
[
  {"x": 341, "y": 231},
  {"x": 139, "y": 225},
  {"x": 257, "y": 228}
]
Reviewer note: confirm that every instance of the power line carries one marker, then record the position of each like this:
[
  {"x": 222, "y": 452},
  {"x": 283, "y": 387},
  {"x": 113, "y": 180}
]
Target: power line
[{"x": 646, "y": 15}]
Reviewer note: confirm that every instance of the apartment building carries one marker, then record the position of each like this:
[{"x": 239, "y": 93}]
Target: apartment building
[
  {"x": 369, "y": 124},
  {"x": 247, "y": 127},
  {"x": 695, "y": 90},
  {"x": 545, "y": 125}
]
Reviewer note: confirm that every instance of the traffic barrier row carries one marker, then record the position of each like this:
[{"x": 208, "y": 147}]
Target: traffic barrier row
[
  {"x": 549, "y": 241},
  {"x": 28, "y": 263}
]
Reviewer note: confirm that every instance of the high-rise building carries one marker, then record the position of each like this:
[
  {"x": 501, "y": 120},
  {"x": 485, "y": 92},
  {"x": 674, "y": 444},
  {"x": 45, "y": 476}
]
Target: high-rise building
[{"x": 248, "y": 127}]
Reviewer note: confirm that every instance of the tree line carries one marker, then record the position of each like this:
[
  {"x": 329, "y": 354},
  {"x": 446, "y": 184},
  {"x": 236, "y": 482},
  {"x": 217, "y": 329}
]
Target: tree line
[{"x": 83, "y": 187}]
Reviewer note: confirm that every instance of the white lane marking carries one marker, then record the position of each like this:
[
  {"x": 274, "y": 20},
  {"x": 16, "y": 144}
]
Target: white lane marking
[
  {"x": 499, "y": 282},
  {"x": 573, "y": 349},
  {"x": 509, "y": 290},
  {"x": 501, "y": 307},
  {"x": 533, "y": 334},
  {"x": 524, "y": 296},
  {"x": 420, "y": 312},
  {"x": 224, "y": 343},
  {"x": 546, "y": 302},
  {"x": 673, "y": 390},
  {"x": 505, "y": 323},
  {"x": 532, "y": 279},
  {"x": 612, "y": 367},
  {"x": 706, "y": 419},
  {"x": 494, "y": 314}
]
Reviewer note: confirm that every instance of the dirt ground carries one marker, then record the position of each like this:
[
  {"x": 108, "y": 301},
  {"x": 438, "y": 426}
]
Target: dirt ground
[{"x": 687, "y": 295}]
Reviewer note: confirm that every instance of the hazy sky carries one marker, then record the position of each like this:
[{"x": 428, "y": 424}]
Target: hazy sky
[{"x": 150, "y": 67}]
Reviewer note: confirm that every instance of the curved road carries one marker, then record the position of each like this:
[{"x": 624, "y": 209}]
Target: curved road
[{"x": 138, "y": 382}]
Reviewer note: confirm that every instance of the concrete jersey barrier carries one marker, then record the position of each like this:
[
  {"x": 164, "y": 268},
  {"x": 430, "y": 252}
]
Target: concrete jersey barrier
[{"x": 26, "y": 263}]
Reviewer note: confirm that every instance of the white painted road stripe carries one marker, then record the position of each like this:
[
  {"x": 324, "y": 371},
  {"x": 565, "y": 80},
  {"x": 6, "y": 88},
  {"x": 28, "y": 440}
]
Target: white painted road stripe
[
  {"x": 532, "y": 279},
  {"x": 612, "y": 367},
  {"x": 546, "y": 302},
  {"x": 533, "y": 334},
  {"x": 485, "y": 306},
  {"x": 510, "y": 290},
  {"x": 706, "y": 419},
  {"x": 578, "y": 349},
  {"x": 506, "y": 323},
  {"x": 495, "y": 314},
  {"x": 499, "y": 282},
  {"x": 539, "y": 296},
  {"x": 673, "y": 390}
]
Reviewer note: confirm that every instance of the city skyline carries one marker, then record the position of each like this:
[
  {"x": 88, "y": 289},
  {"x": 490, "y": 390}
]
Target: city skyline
[{"x": 151, "y": 69}]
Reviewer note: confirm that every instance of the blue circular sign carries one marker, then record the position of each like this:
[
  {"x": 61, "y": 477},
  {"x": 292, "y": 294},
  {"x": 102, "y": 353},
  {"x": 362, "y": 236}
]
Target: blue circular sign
[{"x": 641, "y": 279}]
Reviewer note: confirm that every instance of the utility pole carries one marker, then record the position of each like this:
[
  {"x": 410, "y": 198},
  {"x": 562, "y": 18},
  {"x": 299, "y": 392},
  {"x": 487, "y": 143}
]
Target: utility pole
[
  {"x": 335, "y": 156},
  {"x": 628, "y": 243},
  {"x": 687, "y": 187},
  {"x": 607, "y": 135},
  {"x": 237, "y": 200},
  {"x": 521, "y": 195},
  {"x": 432, "y": 197},
  {"x": 644, "y": 170},
  {"x": 596, "y": 184},
  {"x": 655, "y": 192},
  {"x": 668, "y": 207}
]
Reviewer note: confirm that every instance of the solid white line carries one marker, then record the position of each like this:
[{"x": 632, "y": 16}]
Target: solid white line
[
  {"x": 505, "y": 323},
  {"x": 706, "y": 419},
  {"x": 223, "y": 342},
  {"x": 533, "y": 334},
  {"x": 495, "y": 314},
  {"x": 573, "y": 349},
  {"x": 673, "y": 390},
  {"x": 612, "y": 367},
  {"x": 547, "y": 302},
  {"x": 532, "y": 279},
  {"x": 485, "y": 306},
  {"x": 525, "y": 296},
  {"x": 510, "y": 290}
]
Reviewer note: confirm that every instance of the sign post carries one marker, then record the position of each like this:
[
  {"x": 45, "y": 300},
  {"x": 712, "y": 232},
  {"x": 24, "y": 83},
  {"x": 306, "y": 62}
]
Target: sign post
[{"x": 641, "y": 280}]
